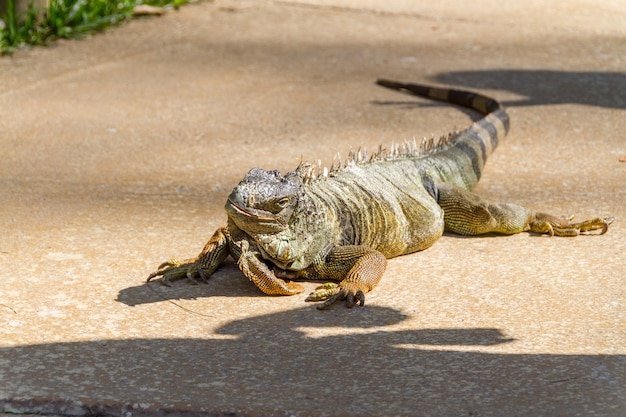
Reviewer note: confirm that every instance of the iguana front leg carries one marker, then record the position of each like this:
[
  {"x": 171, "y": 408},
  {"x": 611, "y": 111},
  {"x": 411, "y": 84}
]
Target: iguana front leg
[
  {"x": 258, "y": 272},
  {"x": 357, "y": 268},
  {"x": 203, "y": 265},
  {"x": 466, "y": 213},
  {"x": 225, "y": 241}
]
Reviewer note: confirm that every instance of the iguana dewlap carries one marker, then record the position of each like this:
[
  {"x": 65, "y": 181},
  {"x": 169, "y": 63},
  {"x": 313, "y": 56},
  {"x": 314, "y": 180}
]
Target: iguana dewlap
[{"x": 344, "y": 223}]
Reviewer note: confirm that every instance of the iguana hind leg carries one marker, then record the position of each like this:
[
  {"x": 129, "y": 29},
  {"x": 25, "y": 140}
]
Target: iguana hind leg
[
  {"x": 466, "y": 213},
  {"x": 212, "y": 255},
  {"x": 357, "y": 268}
]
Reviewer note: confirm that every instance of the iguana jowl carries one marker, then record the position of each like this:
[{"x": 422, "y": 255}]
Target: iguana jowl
[{"x": 344, "y": 223}]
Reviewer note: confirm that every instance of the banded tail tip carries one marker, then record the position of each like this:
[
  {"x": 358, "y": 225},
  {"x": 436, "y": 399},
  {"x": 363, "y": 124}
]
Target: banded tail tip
[
  {"x": 394, "y": 85},
  {"x": 408, "y": 88}
]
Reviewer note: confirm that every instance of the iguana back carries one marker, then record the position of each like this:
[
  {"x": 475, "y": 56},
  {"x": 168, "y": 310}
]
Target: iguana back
[{"x": 388, "y": 201}]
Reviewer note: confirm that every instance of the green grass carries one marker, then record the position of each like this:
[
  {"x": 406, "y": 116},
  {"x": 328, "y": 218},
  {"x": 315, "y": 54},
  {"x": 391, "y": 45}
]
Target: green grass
[{"x": 65, "y": 19}]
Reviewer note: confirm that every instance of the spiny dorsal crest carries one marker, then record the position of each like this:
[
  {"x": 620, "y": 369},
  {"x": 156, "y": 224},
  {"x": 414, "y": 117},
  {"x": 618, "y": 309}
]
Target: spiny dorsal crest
[{"x": 397, "y": 151}]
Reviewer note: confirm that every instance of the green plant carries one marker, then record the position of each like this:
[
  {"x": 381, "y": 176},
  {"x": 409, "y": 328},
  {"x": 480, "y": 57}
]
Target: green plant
[{"x": 65, "y": 19}]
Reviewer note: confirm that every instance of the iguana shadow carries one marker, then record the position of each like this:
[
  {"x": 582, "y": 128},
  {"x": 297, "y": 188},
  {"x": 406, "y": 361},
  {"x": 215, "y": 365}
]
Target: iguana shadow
[
  {"x": 541, "y": 87},
  {"x": 369, "y": 361},
  {"x": 536, "y": 87}
]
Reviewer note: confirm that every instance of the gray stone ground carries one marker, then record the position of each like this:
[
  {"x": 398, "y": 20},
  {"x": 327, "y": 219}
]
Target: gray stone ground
[{"x": 118, "y": 152}]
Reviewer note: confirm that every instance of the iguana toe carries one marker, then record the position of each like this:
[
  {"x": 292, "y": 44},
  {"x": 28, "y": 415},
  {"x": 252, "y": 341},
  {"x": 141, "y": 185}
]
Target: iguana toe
[
  {"x": 595, "y": 224},
  {"x": 203, "y": 276},
  {"x": 358, "y": 298},
  {"x": 323, "y": 292},
  {"x": 333, "y": 292},
  {"x": 564, "y": 227},
  {"x": 174, "y": 270},
  {"x": 191, "y": 277}
]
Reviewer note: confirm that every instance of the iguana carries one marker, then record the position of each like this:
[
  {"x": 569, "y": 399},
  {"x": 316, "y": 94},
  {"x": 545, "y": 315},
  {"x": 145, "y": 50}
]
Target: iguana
[{"x": 343, "y": 223}]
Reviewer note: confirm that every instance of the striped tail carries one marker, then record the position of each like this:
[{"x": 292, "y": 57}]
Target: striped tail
[{"x": 460, "y": 160}]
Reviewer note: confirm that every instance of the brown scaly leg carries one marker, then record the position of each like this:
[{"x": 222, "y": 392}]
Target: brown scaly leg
[
  {"x": 357, "y": 268},
  {"x": 466, "y": 213},
  {"x": 213, "y": 254},
  {"x": 225, "y": 241},
  {"x": 259, "y": 273}
]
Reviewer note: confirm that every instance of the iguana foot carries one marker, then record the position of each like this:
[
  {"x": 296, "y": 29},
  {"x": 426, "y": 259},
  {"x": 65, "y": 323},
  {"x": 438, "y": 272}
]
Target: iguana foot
[
  {"x": 333, "y": 292},
  {"x": 544, "y": 223},
  {"x": 213, "y": 254},
  {"x": 175, "y": 269}
]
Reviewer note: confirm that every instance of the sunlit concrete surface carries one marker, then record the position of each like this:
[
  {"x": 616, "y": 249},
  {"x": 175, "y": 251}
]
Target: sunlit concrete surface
[{"x": 118, "y": 152}]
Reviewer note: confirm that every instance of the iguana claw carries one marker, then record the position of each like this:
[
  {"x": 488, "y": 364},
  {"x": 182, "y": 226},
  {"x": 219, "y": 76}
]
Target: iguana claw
[
  {"x": 214, "y": 252},
  {"x": 323, "y": 292},
  {"x": 595, "y": 224},
  {"x": 175, "y": 269},
  {"x": 332, "y": 292},
  {"x": 564, "y": 227},
  {"x": 359, "y": 297}
]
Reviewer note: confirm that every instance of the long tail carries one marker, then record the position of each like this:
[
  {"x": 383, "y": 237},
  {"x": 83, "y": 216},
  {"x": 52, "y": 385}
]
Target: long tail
[{"x": 461, "y": 160}]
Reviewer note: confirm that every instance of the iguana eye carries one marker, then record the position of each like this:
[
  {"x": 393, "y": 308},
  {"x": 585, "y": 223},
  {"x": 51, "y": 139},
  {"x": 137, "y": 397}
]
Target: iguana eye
[{"x": 283, "y": 202}]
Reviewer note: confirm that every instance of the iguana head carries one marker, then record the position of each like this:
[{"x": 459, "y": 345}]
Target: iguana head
[
  {"x": 263, "y": 202},
  {"x": 274, "y": 211}
]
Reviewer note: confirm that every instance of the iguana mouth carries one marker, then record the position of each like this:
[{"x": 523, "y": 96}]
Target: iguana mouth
[
  {"x": 246, "y": 216},
  {"x": 247, "y": 211}
]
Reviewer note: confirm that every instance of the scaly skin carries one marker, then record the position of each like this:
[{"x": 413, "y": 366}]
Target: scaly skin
[{"x": 344, "y": 224}]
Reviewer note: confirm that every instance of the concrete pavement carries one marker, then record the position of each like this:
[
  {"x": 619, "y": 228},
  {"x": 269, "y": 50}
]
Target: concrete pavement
[{"x": 118, "y": 152}]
